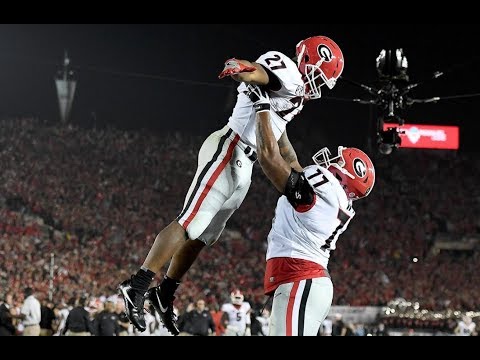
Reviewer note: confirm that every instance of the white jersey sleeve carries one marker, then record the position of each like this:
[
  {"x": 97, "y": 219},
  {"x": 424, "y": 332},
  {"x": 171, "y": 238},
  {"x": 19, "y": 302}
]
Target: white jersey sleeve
[
  {"x": 286, "y": 72},
  {"x": 466, "y": 329},
  {"x": 286, "y": 91}
]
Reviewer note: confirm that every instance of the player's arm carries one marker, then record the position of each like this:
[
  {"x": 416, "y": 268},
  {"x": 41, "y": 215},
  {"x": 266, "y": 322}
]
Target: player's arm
[
  {"x": 258, "y": 77},
  {"x": 211, "y": 325},
  {"x": 273, "y": 164},
  {"x": 287, "y": 180},
  {"x": 248, "y": 323},
  {"x": 245, "y": 71},
  {"x": 270, "y": 158},
  {"x": 225, "y": 319},
  {"x": 288, "y": 153}
]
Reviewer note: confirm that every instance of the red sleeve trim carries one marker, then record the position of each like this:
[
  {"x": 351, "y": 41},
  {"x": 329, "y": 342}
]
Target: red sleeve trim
[{"x": 302, "y": 209}]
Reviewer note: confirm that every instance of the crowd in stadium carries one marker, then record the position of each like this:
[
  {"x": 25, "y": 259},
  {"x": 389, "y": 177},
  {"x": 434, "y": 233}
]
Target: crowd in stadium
[{"x": 96, "y": 198}]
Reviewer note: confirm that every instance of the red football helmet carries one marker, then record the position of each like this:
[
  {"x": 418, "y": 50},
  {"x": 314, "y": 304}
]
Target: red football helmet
[
  {"x": 352, "y": 167},
  {"x": 236, "y": 297},
  {"x": 319, "y": 58}
]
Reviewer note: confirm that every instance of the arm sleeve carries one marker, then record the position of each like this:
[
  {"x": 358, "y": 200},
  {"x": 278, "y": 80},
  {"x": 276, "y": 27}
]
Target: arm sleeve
[
  {"x": 182, "y": 321},
  {"x": 299, "y": 192},
  {"x": 225, "y": 319},
  {"x": 283, "y": 74},
  {"x": 3, "y": 315},
  {"x": 67, "y": 324},
  {"x": 248, "y": 320},
  {"x": 94, "y": 330},
  {"x": 119, "y": 328},
  {"x": 25, "y": 310},
  {"x": 95, "y": 326},
  {"x": 211, "y": 323}
]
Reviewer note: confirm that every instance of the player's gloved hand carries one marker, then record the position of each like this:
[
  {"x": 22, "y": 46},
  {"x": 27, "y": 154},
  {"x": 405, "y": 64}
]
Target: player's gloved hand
[
  {"x": 259, "y": 97},
  {"x": 235, "y": 67}
]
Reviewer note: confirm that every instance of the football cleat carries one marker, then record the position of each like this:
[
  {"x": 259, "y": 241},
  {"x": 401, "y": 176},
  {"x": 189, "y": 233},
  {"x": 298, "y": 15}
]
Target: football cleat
[
  {"x": 164, "y": 309},
  {"x": 134, "y": 301}
]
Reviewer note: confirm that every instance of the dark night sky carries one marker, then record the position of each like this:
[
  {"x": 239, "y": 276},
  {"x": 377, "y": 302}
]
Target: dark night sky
[{"x": 31, "y": 54}]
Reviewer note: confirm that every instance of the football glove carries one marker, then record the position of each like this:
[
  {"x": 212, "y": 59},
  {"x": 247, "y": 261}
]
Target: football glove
[
  {"x": 234, "y": 67},
  {"x": 259, "y": 97}
]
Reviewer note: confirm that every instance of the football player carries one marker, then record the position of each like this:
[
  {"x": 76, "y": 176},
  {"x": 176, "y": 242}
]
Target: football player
[
  {"x": 466, "y": 327},
  {"x": 238, "y": 311},
  {"x": 225, "y": 165},
  {"x": 315, "y": 209}
]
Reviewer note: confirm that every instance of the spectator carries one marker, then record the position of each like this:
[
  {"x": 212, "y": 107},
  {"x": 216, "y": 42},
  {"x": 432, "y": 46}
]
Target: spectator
[
  {"x": 30, "y": 314},
  {"x": 262, "y": 321},
  {"x": 47, "y": 318},
  {"x": 80, "y": 193},
  {"x": 380, "y": 330},
  {"x": 6, "y": 324},
  {"x": 107, "y": 323},
  {"x": 123, "y": 321},
  {"x": 338, "y": 327},
  {"x": 220, "y": 319},
  {"x": 78, "y": 321},
  {"x": 326, "y": 328},
  {"x": 197, "y": 322}
]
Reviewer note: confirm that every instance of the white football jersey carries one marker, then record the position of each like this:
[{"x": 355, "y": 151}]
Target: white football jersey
[
  {"x": 285, "y": 103},
  {"x": 238, "y": 318},
  {"x": 311, "y": 235},
  {"x": 265, "y": 323},
  {"x": 466, "y": 330}
]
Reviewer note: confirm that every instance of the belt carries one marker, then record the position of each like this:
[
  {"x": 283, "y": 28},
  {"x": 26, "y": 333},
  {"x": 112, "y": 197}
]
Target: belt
[
  {"x": 251, "y": 154},
  {"x": 30, "y": 325}
]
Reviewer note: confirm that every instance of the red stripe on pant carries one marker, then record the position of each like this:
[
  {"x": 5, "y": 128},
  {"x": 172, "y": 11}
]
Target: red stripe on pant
[
  {"x": 291, "y": 304},
  {"x": 212, "y": 181}
]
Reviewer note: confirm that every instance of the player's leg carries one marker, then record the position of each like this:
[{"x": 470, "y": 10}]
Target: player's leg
[
  {"x": 185, "y": 256},
  {"x": 215, "y": 184},
  {"x": 318, "y": 306},
  {"x": 213, "y": 157},
  {"x": 167, "y": 242},
  {"x": 237, "y": 179},
  {"x": 300, "y": 308},
  {"x": 211, "y": 218}
]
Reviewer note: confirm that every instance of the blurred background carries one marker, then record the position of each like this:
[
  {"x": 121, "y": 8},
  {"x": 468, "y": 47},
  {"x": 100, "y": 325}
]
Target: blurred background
[{"x": 82, "y": 200}]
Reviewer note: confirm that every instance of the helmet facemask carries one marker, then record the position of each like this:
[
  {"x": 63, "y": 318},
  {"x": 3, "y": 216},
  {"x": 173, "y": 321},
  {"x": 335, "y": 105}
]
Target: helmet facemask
[
  {"x": 334, "y": 165},
  {"x": 314, "y": 76},
  {"x": 323, "y": 159},
  {"x": 356, "y": 187},
  {"x": 237, "y": 298}
]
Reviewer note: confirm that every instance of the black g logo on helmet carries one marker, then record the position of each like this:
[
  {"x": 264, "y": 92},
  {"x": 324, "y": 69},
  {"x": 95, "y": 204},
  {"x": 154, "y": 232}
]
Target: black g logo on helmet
[
  {"x": 360, "y": 168},
  {"x": 325, "y": 53}
]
